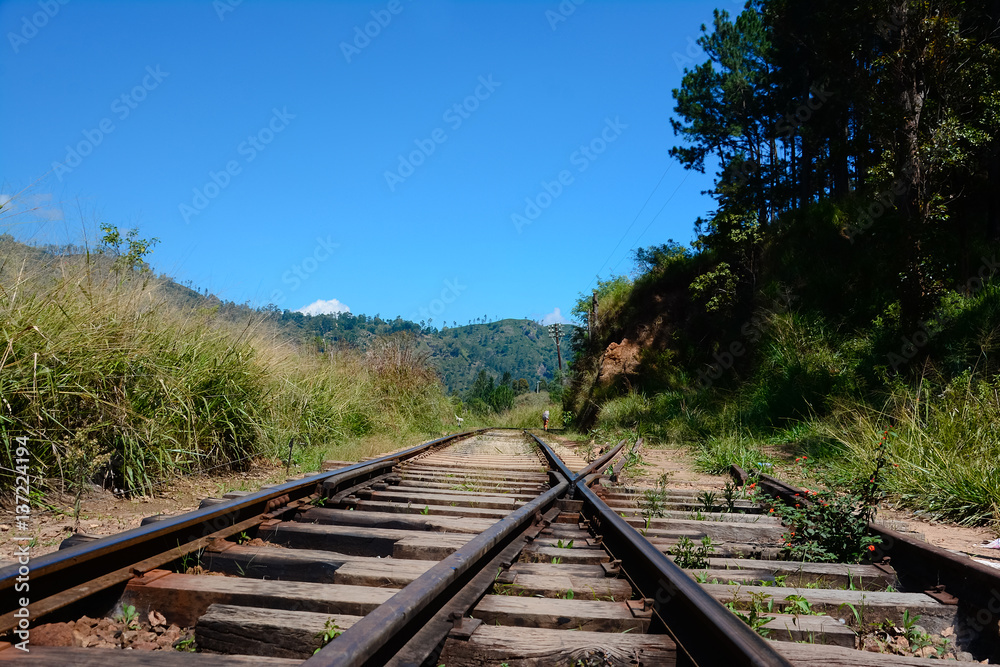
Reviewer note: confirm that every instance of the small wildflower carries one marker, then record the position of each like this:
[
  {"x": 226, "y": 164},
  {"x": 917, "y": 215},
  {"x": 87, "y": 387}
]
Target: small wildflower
[
  {"x": 771, "y": 510},
  {"x": 796, "y": 504},
  {"x": 871, "y": 547}
]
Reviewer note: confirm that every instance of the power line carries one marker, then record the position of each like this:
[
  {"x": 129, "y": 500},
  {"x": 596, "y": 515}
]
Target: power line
[
  {"x": 676, "y": 190},
  {"x": 617, "y": 245}
]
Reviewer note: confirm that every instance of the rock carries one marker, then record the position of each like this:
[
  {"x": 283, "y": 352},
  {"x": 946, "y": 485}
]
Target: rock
[
  {"x": 926, "y": 652},
  {"x": 156, "y": 618},
  {"x": 964, "y": 656},
  {"x": 903, "y": 643},
  {"x": 53, "y": 634},
  {"x": 871, "y": 645},
  {"x": 79, "y": 638},
  {"x": 145, "y": 646},
  {"x": 949, "y": 631}
]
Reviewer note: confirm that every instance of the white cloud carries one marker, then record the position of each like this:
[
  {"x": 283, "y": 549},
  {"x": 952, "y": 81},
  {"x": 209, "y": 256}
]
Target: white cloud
[
  {"x": 331, "y": 307},
  {"x": 38, "y": 206},
  {"x": 555, "y": 317}
]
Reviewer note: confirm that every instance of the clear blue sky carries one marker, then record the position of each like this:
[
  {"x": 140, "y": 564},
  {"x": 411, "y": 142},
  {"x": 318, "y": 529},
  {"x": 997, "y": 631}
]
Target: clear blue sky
[{"x": 383, "y": 172}]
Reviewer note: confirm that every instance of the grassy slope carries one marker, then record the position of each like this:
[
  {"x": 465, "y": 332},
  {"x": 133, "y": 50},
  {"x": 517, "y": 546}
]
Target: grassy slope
[
  {"x": 111, "y": 381},
  {"x": 813, "y": 384}
]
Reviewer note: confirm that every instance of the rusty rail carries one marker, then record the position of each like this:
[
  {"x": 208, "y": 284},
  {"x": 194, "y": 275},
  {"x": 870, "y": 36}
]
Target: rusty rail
[
  {"x": 382, "y": 633},
  {"x": 707, "y": 632},
  {"x": 67, "y": 576}
]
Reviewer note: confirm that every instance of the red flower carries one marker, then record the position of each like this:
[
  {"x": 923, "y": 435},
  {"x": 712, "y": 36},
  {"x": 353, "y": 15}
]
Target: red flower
[{"x": 871, "y": 547}]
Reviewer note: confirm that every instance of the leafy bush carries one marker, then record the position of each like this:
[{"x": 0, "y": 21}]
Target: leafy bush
[{"x": 832, "y": 528}]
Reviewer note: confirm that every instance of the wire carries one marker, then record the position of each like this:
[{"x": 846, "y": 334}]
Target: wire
[
  {"x": 676, "y": 190},
  {"x": 617, "y": 245}
]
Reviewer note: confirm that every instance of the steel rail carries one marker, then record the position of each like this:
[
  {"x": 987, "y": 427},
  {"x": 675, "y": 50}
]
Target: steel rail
[
  {"x": 384, "y": 631},
  {"x": 707, "y": 632},
  {"x": 554, "y": 459},
  {"x": 598, "y": 465},
  {"x": 100, "y": 564},
  {"x": 617, "y": 469}
]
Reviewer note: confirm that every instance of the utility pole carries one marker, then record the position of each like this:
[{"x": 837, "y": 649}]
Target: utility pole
[
  {"x": 592, "y": 329},
  {"x": 555, "y": 331}
]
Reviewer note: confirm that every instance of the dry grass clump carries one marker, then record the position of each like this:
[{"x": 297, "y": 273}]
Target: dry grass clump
[{"x": 113, "y": 382}]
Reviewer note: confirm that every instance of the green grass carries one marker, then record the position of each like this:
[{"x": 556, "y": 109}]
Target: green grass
[
  {"x": 803, "y": 398},
  {"x": 114, "y": 383},
  {"x": 526, "y": 414},
  {"x": 717, "y": 453},
  {"x": 943, "y": 449}
]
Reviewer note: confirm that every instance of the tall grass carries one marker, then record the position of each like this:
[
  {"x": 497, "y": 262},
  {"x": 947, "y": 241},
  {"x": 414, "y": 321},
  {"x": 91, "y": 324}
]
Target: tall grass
[
  {"x": 943, "y": 445},
  {"x": 525, "y": 414},
  {"x": 114, "y": 384}
]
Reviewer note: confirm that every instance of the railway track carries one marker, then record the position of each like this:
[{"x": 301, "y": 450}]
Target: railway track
[
  {"x": 820, "y": 613},
  {"x": 485, "y": 548}
]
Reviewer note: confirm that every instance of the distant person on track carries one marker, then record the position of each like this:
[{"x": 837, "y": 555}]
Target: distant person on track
[{"x": 545, "y": 420}]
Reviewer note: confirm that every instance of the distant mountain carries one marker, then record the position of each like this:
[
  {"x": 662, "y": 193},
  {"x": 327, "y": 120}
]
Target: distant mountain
[{"x": 519, "y": 347}]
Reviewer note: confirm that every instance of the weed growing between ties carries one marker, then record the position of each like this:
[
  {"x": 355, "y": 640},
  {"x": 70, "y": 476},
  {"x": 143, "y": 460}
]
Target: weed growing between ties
[
  {"x": 330, "y": 632},
  {"x": 687, "y": 555},
  {"x": 754, "y": 610},
  {"x": 653, "y": 502},
  {"x": 831, "y": 528}
]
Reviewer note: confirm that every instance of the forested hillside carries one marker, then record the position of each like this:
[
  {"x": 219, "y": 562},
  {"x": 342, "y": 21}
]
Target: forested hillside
[
  {"x": 520, "y": 348},
  {"x": 845, "y": 284}
]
